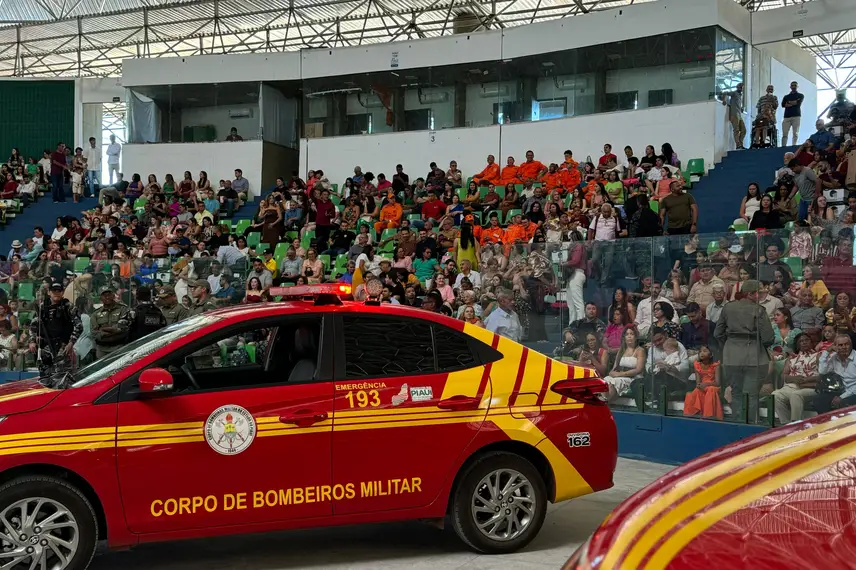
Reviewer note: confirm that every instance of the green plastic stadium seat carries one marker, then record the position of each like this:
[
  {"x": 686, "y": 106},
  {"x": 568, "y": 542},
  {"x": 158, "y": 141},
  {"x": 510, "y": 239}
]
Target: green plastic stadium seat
[
  {"x": 511, "y": 214},
  {"x": 254, "y": 239},
  {"x": 796, "y": 265},
  {"x": 81, "y": 263},
  {"x": 26, "y": 291},
  {"x": 695, "y": 166},
  {"x": 242, "y": 226},
  {"x": 654, "y": 205}
]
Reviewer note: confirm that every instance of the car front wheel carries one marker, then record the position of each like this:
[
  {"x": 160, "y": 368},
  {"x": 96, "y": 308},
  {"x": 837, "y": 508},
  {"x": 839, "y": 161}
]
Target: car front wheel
[
  {"x": 499, "y": 504},
  {"x": 45, "y": 523}
]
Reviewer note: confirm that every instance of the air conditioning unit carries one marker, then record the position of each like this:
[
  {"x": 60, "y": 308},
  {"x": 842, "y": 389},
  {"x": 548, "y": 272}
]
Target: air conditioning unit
[
  {"x": 434, "y": 97},
  {"x": 240, "y": 113},
  {"x": 494, "y": 90},
  {"x": 571, "y": 83},
  {"x": 695, "y": 72},
  {"x": 372, "y": 102}
]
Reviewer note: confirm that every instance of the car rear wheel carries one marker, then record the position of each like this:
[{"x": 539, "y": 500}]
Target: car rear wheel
[
  {"x": 45, "y": 524},
  {"x": 499, "y": 504}
]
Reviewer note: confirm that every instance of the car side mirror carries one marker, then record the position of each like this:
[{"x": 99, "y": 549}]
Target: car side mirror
[{"x": 155, "y": 380}]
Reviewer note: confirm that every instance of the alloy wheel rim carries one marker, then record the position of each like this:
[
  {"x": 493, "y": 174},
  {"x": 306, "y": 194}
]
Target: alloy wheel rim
[
  {"x": 503, "y": 505},
  {"x": 37, "y": 533}
]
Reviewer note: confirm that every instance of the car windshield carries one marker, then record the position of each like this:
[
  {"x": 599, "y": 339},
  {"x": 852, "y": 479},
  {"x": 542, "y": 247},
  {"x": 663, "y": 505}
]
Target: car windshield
[{"x": 112, "y": 363}]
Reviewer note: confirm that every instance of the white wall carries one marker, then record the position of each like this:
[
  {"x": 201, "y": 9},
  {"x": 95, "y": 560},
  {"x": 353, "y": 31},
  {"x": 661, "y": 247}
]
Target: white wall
[
  {"x": 782, "y": 75},
  {"x": 100, "y": 89},
  {"x": 206, "y": 69},
  {"x": 218, "y": 159},
  {"x": 689, "y": 128},
  {"x": 811, "y": 18},
  {"x": 248, "y": 127}
]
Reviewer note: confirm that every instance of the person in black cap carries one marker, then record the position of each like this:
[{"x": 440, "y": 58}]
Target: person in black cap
[
  {"x": 147, "y": 318},
  {"x": 54, "y": 330}
]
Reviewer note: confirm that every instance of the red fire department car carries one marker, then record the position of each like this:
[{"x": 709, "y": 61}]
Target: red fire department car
[
  {"x": 297, "y": 414},
  {"x": 783, "y": 499}
]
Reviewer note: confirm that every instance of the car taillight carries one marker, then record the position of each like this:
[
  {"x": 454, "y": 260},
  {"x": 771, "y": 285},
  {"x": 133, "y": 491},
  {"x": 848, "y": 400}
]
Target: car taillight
[{"x": 587, "y": 391}]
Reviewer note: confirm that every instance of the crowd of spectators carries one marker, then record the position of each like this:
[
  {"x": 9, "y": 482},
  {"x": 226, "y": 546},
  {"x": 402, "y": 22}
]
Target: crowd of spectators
[{"x": 603, "y": 254}]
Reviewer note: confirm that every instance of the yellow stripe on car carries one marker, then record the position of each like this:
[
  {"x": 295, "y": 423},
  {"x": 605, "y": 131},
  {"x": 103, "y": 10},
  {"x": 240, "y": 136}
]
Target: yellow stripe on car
[
  {"x": 684, "y": 535},
  {"x": 709, "y": 494},
  {"x": 57, "y": 447},
  {"x": 56, "y": 433},
  {"x": 643, "y": 518}
]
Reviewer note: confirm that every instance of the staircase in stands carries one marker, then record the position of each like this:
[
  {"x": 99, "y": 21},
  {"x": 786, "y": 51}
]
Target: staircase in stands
[{"x": 719, "y": 192}]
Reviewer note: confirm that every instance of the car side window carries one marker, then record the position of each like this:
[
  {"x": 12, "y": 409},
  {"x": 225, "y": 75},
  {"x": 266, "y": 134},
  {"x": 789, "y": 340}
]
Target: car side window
[
  {"x": 377, "y": 347},
  {"x": 250, "y": 356}
]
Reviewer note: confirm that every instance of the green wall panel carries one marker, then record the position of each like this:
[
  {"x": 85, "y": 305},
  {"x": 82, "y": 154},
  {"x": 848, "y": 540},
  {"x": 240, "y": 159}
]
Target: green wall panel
[{"x": 35, "y": 115}]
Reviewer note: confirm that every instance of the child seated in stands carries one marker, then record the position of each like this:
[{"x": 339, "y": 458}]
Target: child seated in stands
[
  {"x": 673, "y": 356},
  {"x": 704, "y": 399},
  {"x": 827, "y": 338}
]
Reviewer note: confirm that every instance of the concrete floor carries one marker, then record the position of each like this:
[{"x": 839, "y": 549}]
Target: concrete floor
[{"x": 410, "y": 546}]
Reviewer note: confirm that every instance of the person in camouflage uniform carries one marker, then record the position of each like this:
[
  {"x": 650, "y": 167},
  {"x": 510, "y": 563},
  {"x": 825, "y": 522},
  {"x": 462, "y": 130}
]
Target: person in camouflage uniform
[
  {"x": 172, "y": 310},
  {"x": 110, "y": 324},
  {"x": 54, "y": 330},
  {"x": 200, "y": 290}
]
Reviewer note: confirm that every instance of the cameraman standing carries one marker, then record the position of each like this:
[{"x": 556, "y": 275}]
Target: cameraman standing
[{"x": 54, "y": 330}]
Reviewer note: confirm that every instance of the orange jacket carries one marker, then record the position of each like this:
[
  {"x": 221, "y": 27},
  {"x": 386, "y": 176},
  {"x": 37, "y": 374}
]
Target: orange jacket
[
  {"x": 391, "y": 213},
  {"x": 531, "y": 170},
  {"x": 509, "y": 176},
  {"x": 490, "y": 234},
  {"x": 489, "y": 174}
]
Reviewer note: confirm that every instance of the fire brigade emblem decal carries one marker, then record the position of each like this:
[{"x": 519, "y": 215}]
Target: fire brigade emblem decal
[{"x": 230, "y": 430}]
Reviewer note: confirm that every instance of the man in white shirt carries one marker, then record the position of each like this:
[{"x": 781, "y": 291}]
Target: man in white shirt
[
  {"x": 839, "y": 358},
  {"x": 645, "y": 310},
  {"x": 789, "y": 156},
  {"x": 467, "y": 271},
  {"x": 503, "y": 320},
  {"x": 92, "y": 154},
  {"x": 114, "y": 150}
]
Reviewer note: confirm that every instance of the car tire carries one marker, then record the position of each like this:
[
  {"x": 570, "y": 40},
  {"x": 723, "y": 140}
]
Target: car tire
[
  {"x": 76, "y": 525},
  {"x": 527, "y": 504}
]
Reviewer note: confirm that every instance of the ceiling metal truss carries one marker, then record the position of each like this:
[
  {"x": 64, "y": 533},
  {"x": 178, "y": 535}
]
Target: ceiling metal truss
[
  {"x": 836, "y": 59},
  {"x": 92, "y": 37}
]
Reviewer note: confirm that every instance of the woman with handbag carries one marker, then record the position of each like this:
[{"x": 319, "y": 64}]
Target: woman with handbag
[{"x": 800, "y": 376}]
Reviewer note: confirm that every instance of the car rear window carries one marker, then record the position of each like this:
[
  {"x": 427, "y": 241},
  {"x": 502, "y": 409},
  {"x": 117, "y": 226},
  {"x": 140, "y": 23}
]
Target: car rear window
[{"x": 377, "y": 347}]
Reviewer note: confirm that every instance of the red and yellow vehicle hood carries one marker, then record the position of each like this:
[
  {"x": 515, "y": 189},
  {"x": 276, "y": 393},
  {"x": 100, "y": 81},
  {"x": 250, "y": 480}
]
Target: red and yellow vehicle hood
[
  {"x": 24, "y": 396},
  {"x": 783, "y": 499}
]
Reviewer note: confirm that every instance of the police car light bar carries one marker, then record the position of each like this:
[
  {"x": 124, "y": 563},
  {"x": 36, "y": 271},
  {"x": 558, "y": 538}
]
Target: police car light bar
[{"x": 312, "y": 291}]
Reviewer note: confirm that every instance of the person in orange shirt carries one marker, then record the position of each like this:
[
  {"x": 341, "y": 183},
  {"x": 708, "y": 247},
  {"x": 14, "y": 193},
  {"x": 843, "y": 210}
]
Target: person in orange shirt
[
  {"x": 553, "y": 179},
  {"x": 493, "y": 233},
  {"x": 390, "y": 215},
  {"x": 532, "y": 170},
  {"x": 521, "y": 231},
  {"x": 509, "y": 174},
  {"x": 570, "y": 170},
  {"x": 490, "y": 174}
]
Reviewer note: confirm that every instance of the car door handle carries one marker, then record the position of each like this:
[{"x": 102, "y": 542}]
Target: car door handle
[
  {"x": 459, "y": 403},
  {"x": 303, "y": 418}
]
